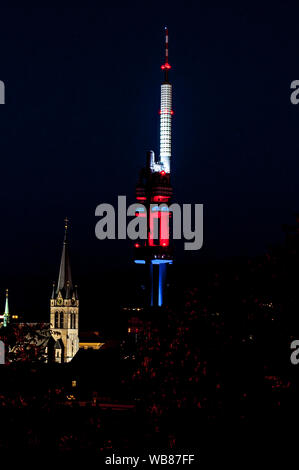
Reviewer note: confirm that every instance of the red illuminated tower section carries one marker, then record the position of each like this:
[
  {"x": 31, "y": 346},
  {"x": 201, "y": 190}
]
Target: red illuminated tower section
[{"x": 154, "y": 192}]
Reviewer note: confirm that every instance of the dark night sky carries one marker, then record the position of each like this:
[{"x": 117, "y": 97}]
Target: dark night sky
[{"x": 82, "y": 101}]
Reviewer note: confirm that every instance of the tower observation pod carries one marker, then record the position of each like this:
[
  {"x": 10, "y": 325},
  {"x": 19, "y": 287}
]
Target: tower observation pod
[{"x": 154, "y": 191}]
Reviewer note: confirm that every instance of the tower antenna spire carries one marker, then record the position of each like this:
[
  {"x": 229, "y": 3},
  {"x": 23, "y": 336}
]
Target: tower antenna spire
[
  {"x": 166, "y": 45},
  {"x": 166, "y": 65}
]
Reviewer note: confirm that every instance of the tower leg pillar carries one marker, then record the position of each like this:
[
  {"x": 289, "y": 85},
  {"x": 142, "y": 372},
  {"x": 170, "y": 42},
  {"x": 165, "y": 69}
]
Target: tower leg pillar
[{"x": 158, "y": 276}]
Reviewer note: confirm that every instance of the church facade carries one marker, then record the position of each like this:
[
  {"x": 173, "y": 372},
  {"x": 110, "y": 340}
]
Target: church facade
[{"x": 64, "y": 311}]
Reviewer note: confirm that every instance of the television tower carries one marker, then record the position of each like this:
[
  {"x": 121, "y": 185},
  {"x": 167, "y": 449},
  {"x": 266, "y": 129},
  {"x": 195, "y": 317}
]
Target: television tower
[{"x": 154, "y": 191}]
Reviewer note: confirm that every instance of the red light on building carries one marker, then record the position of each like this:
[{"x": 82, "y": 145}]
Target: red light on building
[
  {"x": 165, "y": 66},
  {"x": 162, "y": 173},
  {"x": 160, "y": 198},
  {"x": 171, "y": 112},
  {"x": 137, "y": 245}
]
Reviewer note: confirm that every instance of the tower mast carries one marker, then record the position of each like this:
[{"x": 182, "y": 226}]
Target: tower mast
[{"x": 165, "y": 113}]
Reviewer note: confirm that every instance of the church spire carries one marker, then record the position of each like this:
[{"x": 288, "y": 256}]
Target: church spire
[
  {"x": 65, "y": 275},
  {"x": 6, "y": 303},
  {"x": 6, "y": 316}
]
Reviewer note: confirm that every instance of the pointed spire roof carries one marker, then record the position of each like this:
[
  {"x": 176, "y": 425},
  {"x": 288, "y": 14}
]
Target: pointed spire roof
[
  {"x": 6, "y": 311},
  {"x": 6, "y": 316},
  {"x": 65, "y": 275}
]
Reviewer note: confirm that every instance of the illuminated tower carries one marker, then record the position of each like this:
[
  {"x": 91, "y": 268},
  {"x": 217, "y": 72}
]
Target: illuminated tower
[
  {"x": 64, "y": 309},
  {"x": 153, "y": 190}
]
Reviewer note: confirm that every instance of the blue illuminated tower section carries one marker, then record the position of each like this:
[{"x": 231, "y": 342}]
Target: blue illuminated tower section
[{"x": 154, "y": 192}]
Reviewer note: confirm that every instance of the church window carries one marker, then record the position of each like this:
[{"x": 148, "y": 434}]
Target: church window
[
  {"x": 56, "y": 320},
  {"x": 61, "y": 320}
]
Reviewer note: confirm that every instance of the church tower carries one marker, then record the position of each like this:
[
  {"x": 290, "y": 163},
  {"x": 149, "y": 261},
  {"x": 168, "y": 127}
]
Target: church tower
[{"x": 64, "y": 309}]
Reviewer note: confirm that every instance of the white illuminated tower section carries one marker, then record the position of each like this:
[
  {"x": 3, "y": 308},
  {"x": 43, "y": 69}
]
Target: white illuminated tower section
[{"x": 165, "y": 113}]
